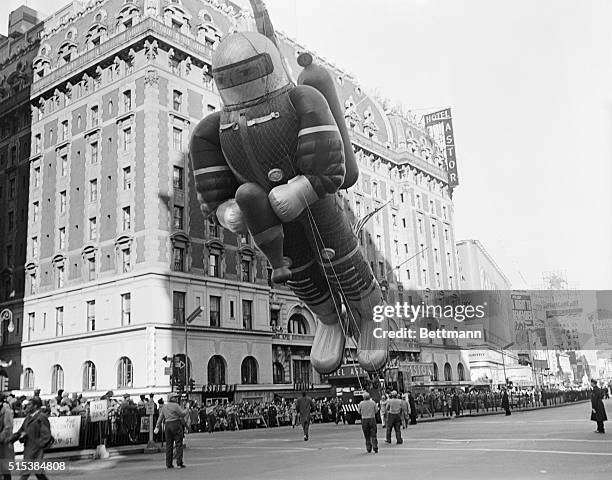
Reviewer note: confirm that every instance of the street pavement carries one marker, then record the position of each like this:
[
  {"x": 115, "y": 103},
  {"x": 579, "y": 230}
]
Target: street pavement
[{"x": 555, "y": 443}]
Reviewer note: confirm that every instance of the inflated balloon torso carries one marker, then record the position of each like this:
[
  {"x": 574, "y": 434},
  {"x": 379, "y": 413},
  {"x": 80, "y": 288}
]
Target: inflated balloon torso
[{"x": 261, "y": 138}]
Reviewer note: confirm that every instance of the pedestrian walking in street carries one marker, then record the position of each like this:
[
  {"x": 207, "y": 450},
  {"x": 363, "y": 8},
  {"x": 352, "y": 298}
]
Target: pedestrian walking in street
[
  {"x": 505, "y": 403},
  {"x": 368, "y": 409},
  {"x": 173, "y": 417},
  {"x": 383, "y": 410},
  {"x": 598, "y": 411},
  {"x": 405, "y": 411},
  {"x": 35, "y": 434},
  {"x": 413, "y": 410},
  {"x": 395, "y": 412},
  {"x": 7, "y": 454},
  {"x": 304, "y": 406}
]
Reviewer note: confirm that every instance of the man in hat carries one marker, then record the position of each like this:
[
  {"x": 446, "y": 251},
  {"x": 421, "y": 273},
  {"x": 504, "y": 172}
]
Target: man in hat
[
  {"x": 35, "y": 434},
  {"x": 598, "y": 411},
  {"x": 174, "y": 417},
  {"x": 395, "y": 413},
  {"x": 7, "y": 454},
  {"x": 368, "y": 409}
]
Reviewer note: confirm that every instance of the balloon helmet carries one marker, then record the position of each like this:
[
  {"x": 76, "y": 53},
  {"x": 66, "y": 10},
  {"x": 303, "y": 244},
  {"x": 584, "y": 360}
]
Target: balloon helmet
[{"x": 246, "y": 67}]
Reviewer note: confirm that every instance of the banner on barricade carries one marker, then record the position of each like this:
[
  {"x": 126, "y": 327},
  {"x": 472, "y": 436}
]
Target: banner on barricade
[
  {"x": 65, "y": 431},
  {"x": 144, "y": 424}
]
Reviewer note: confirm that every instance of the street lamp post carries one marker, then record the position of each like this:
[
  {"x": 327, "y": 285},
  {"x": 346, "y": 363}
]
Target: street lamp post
[
  {"x": 7, "y": 315},
  {"x": 192, "y": 316}
]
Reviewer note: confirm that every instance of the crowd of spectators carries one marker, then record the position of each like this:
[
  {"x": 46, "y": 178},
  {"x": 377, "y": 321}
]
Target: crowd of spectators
[
  {"x": 125, "y": 414},
  {"x": 458, "y": 401}
]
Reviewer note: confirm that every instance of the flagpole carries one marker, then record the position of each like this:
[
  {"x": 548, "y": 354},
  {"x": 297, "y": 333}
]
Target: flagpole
[{"x": 414, "y": 256}]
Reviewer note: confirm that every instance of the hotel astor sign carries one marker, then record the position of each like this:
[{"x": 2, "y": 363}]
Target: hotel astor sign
[
  {"x": 445, "y": 118},
  {"x": 437, "y": 117},
  {"x": 348, "y": 371},
  {"x": 416, "y": 369}
]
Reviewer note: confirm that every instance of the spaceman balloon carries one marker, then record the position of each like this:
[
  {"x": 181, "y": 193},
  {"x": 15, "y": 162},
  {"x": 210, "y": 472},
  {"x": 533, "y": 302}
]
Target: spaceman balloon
[{"x": 271, "y": 162}]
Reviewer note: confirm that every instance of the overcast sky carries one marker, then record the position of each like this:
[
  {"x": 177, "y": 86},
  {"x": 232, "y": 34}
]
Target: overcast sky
[{"x": 530, "y": 85}]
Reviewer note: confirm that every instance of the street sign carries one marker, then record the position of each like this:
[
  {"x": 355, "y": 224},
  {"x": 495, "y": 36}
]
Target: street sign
[
  {"x": 195, "y": 314},
  {"x": 168, "y": 371}
]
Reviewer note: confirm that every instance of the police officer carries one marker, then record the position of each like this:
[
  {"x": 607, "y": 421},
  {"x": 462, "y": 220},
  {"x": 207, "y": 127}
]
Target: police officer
[
  {"x": 174, "y": 417},
  {"x": 395, "y": 413}
]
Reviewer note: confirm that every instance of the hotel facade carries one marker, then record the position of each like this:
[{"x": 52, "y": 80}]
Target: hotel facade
[{"x": 110, "y": 252}]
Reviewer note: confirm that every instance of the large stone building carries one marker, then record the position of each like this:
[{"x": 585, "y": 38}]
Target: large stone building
[
  {"x": 115, "y": 251},
  {"x": 496, "y": 355},
  {"x": 17, "y": 51}
]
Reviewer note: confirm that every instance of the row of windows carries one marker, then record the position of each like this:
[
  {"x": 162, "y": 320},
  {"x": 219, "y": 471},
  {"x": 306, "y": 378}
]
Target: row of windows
[
  {"x": 178, "y": 307},
  {"x": 448, "y": 372},
  {"x": 178, "y": 180},
  {"x": 90, "y": 306},
  {"x": 124, "y": 261},
  {"x": 126, "y": 137},
  {"x": 92, "y": 225},
  {"x": 125, "y": 376},
  {"x": 297, "y": 323},
  {"x": 216, "y": 369},
  {"x": 90, "y": 264}
]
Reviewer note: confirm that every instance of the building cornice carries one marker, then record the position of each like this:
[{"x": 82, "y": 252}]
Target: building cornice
[{"x": 147, "y": 27}]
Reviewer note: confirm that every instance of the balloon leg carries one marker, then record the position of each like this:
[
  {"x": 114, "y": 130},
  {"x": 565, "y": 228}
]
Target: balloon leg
[
  {"x": 311, "y": 287},
  {"x": 265, "y": 227}
]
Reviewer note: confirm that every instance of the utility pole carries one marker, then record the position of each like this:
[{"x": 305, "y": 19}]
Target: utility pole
[
  {"x": 504, "y": 361},
  {"x": 192, "y": 316}
]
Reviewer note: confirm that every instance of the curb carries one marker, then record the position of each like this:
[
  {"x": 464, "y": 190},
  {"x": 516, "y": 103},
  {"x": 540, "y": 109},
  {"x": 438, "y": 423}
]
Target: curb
[{"x": 90, "y": 454}]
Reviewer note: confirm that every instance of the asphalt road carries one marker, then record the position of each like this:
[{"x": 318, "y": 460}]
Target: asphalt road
[{"x": 555, "y": 443}]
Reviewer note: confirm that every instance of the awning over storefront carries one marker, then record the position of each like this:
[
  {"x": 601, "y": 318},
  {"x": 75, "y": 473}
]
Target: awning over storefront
[
  {"x": 218, "y": 388},
  {"x": 319, "y": 391}
]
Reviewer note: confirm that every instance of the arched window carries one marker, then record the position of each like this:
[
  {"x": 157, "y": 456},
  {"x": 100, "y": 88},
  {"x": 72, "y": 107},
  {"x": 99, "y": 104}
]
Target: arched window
[
  {"x": 89, "y": 376},
  {"x": 278, "y": 372},
  {"x": 298, "y": 324},
  {"x": 57, "y": 378},
  {"x": 460, "y": 372},
  {"x": 435, "y": 372},
  {"x": 28, "y": 379},
  {"x": 216, "y": 370},
  {"x": 448, "y": 372},
  {"x": 125, "y": 373},
  {"x": 248, "y": 371}
]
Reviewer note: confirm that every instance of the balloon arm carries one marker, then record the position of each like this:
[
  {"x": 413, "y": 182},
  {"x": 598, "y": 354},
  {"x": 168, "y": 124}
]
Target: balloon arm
[
  {"x": 320, "y": 150},
  {"x": 214, "y": 180},
  {"x": 317, "y": 77}
]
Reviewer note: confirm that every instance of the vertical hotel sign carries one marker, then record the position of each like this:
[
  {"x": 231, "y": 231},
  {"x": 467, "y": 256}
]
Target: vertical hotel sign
[{"x": 444, "y": 117}]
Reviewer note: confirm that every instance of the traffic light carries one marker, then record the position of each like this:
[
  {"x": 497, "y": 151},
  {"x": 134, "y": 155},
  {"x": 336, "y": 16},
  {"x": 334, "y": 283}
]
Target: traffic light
[
  {"x": 191, "y": 384},
  {"x": 3, "y": 384}
]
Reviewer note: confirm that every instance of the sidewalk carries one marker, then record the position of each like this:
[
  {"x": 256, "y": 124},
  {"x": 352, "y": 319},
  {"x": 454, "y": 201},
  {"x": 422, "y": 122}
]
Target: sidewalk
[{"x": 90, "y": 454}]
